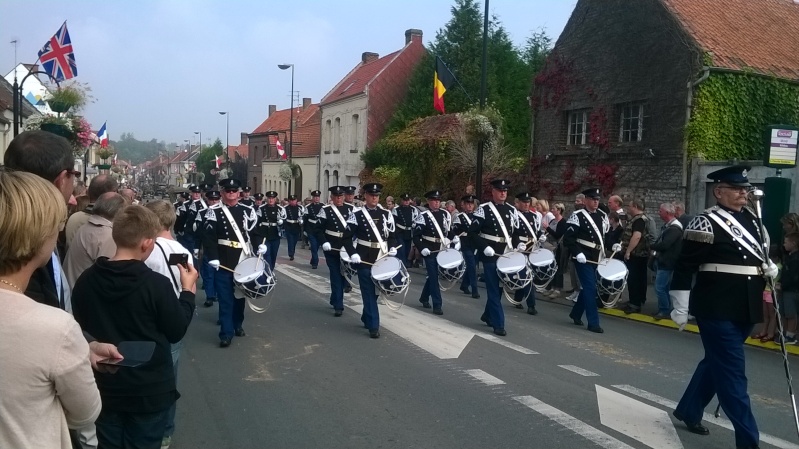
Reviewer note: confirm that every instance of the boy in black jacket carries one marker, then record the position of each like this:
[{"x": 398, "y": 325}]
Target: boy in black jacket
[{"x": 121, "y": 299}]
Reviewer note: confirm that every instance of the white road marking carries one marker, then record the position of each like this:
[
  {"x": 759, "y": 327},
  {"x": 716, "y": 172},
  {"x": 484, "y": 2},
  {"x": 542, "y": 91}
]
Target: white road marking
[
  {"x": 649, "y": 425},
  {"x": 578, "y": 370},
  {"x": 587, "y": 431},
  {"x": 506, "y": 343},
  {"x": 484, "y": 377},
  {"x": 707, "y": 417}
]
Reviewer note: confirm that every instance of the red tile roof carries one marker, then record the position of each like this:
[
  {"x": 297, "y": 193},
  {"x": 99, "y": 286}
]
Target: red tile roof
[
  {"x": 358, "y": 79},
  {"x": 307, "y": 131},
  {"x": 759, "y": 35}
]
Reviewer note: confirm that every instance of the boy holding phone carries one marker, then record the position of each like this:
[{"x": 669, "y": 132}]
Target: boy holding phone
[{"x": 124, "y": 300}]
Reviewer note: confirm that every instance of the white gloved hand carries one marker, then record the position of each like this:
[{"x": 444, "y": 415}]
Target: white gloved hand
[
  {"x": 425, "y": 252},
  {"x": 616, "y": 247},
  {"x": 326, "y": 246},
  {"x": 521, "y": 246},
  {"x": 581, "y": 258},
  {"x": 457, "y": 246},
  {"x": 214, "y": 264},
  {"x": 196, "y": 253},
  {"x": 300, "y": 221},
  {"x": 261, "y": 249},
  {"x": 392, "y": 252},
  {"x": 489, "y": 251},
  {"x": 770, "y": 269},
  {"x": 456, "y": 239},
  {"x": 355, "y": 258},
  {"x": 680, "y": 299},
  {"x": 279, "y": 222}
]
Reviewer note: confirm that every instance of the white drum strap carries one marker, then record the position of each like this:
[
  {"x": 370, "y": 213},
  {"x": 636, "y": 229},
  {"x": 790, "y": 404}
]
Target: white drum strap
[
  {"x": 383, "y": 245},
  {"x": 468, "y": 220},
  {"x": 501, "y": 224},
  {"x": 340, "y": 217},
  {"x": 599, "y": 234},
  {"x": 527, "y": 224},
  {"x": 437, "y": 227},
  {"x": 245, "y": 247}
]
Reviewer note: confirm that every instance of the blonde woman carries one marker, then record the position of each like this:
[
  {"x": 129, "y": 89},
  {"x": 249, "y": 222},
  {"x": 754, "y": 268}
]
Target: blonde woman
[
  {"x": 542, "y": 206},
  {"x": 47, "y": 384}
]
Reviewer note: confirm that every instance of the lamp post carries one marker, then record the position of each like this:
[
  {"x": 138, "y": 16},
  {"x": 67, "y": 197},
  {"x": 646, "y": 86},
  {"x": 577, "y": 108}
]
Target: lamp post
[
  {"x": 291, "y": 116},
  {"x": 199, "y": 140},
  {"x": 227, "y": 136}
]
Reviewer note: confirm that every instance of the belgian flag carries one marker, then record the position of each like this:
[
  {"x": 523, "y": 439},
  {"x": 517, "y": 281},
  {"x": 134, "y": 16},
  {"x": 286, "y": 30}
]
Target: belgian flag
[{"x": 443, "y": 79}]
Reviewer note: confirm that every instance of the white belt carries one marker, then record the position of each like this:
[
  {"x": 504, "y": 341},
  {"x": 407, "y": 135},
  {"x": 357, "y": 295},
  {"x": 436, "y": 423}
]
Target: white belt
[
  {"x": 588, "y": 244},
  {"x": 291, "y": 221},
  {"x": 493, "y": 238},
  {"x": 229, "y": 243},
  {"x": 268, "y": 224},
  {"x": 405, "y": 228},
  {"x": 731, "y": 269},
  {"x": 524, "y": 239},
  {"x": 431, "y": 239},
  {"x": 334, "y": 233},
  {"x": 312, "y": 220},
  {"x": 368, "y": 243}
]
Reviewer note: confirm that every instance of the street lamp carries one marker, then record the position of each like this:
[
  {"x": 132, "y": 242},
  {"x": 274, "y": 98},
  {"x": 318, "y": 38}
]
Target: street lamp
[
  {"x": 199, "y": 140},
  {"x": 291, "y": 116},
  {"x": 227, "y": 136}
]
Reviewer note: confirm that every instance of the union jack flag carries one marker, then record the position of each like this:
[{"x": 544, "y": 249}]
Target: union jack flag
[{"x": 57, "y": 57}]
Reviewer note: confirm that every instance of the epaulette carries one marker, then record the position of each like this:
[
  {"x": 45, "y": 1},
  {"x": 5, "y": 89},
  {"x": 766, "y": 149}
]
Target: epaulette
[{"x": 700, "y": 229}]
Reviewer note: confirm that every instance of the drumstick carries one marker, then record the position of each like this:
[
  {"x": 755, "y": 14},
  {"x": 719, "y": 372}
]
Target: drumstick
[
  {"x": 589, "y": 261},
  {"x": 339, "y": 249},
  {"x": 226, "y": 268}
]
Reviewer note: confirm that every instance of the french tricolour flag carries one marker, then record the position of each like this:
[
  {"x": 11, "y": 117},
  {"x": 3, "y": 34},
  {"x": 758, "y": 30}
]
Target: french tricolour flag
[{"x": 103, "y": 136}]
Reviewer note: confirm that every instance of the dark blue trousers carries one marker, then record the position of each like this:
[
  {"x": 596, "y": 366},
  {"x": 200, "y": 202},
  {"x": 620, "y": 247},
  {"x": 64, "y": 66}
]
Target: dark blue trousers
[
  {"x": 469, "y": 279},
  {"x": 208, "y": 272},
  {"x": 526, "y": 294},
  {"x": 493, "y": 310},
  {"x": 272, "y": 246},
  {"x": 333, "y": 260},
  {"x": 314, "y": 250},
  {"x": 370, "y": 316},
  {"x": 431, "y": 287},
  {"x": 291, "y": 241},
  {"x": 404, "y": 251},
  {"x": 722, "y": 372},
  {"x": 123, "y": 429},
  {"x": 586, "y": 302},
  {"x": 231, "y": 309}
]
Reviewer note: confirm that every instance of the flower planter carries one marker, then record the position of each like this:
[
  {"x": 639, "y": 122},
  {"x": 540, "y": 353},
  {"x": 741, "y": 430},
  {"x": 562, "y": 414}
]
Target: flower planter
[
  {"x": 103, "y": 166},
  {"x": 58, "y": 106},
  {"x": 55, "y": 128}
]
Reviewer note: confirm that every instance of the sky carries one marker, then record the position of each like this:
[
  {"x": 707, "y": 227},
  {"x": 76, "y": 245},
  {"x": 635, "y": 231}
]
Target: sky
[{"x": 165, "y": 69}]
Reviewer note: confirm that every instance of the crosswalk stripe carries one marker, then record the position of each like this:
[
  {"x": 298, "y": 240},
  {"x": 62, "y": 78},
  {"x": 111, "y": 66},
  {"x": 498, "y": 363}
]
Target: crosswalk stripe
[
  {"x": 484, "y": 377},
  {"x": 507, "y": 344},
  {"x": 635, "y": 419},
  {"x": 587, "y": 431},
  {"x": 578, "y": 370}
]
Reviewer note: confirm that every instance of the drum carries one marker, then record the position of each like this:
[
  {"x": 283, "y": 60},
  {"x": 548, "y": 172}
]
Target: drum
[
  {"x": 451, "y": 265},
  {"x": 390, "y": 276},
  {"x": 513, "y": 270},
  {"x": 348, "y": 270},
  {"x": 611, "y": 278},
  {"x": 544, "y": 266},
  {"x": 255, "y": 277}
]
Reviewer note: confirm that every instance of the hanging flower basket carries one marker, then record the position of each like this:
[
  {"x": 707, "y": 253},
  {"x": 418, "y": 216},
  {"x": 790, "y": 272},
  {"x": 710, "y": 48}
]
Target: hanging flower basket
[
  {"x": 59, "y": 105},
  {"x": 289, "y": 171},
  {"x": 58, "y": 129},
  {"x": 103, "y": 166}
]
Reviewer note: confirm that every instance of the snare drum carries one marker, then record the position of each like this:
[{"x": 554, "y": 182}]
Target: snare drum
[
  {"x": 348, "y": 270},
  {"x": 390, "y": 276},
  {"x": 254, "y": 276},
  {"x": 451, "y": 265},
  {"x": 543, "y": 264},
  {"x": 611, "y": 278},
  {"x": 513, "y": 270}
]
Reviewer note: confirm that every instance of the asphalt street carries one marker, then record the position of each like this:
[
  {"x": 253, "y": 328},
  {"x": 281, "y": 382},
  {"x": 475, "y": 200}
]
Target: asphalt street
[{"x": 302, "y": 378}]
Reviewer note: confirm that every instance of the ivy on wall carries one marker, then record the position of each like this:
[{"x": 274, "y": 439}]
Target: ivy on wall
[{"x": 731, "y": 111}]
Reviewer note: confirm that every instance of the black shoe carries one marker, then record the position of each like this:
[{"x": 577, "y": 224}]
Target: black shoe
[
  {"x": 484, "y": 319},
  {"x": 519, "y": 306},
  {"x": 596, "y": 329},
  {"x": 208, "y": 303},
  {"x": 347, "y": 288},
  {"x": 438, "y": 312},
  {"x": 631, "y": 309},
  {"x": 466, "y": 291},
  {"x": 476, "y": 295},
  {"x": 240, "y": 332},
  {"x": 500, "y": 332},
  {"x": 660, "y": 316},
  {"x": 338, "y": 313},
  {"x": 291, "y": 257},
  {"x": 426, "y": 305},
  {"x": 224, "y": 343},
  {"x": 313, "y": 267},
  {"x": 374, "y": 333},
  {"x": 577, "y": 321},
  {"x": 532, "y": 311},
  {"x": 697, "y": 428}
]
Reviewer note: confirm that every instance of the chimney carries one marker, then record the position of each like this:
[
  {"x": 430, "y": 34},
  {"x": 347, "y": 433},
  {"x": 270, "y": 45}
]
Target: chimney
[
  {"x": 413, "y": 35},
  {"x": 272, "y": 109},
  {"x": 368, "y": 56},
  {"x": 244, "y": 138},
  {"x": 305, "y": 103}
]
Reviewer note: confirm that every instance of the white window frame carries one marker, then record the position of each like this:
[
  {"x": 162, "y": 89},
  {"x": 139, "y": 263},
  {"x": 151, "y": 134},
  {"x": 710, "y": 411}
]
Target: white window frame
[
  {"x": 627, "y": 125},
  {"x": 577, "y": 118}
]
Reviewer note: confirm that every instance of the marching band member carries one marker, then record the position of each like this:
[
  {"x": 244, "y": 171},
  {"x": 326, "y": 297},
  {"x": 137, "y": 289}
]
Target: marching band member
[
  {"x": 206, "y": 271},
  {"x": 330, "y": 231},
  {"x": 584, "y": 238},
  {"x": 404, "y": 217},
  {"x": 227, "y": 241},
  {"x": 460, "y": 228},
  {"x": 369, "y": 236},
  {"x": 431, "y": 229},
  {"x": 494, "y": 224},
  {"x": 349, "y": 195},
  {"x": 529, "y": 231},
  {"x": 723, "y": 247},
  {"x": 245, "y": 199},
  {"x": 311, "y": 224},
  {"x": 182, "y": 212},
  {"x": 270, "y": 217},
  {"x": 257, "y": 200},
  {"x": 197, "y": 206},
  {"x": 293, "y": 227}
]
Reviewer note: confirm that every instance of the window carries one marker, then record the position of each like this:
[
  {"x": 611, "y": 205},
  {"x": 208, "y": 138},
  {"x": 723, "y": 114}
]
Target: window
[
  {"x": 354, "y": 133},
  {"x": 578, "y": 127},
  {"x": 631, "y": 123},
  {"x": 337, "y": 136},
  {"x": 328, "y": 136}
]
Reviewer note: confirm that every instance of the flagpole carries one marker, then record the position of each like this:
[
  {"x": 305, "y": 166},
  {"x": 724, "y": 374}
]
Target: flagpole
[{"x": 455, "y": 78}]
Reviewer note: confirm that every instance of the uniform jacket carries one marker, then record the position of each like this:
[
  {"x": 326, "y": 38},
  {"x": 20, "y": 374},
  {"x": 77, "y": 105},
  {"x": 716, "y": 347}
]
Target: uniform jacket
[
  {"x": 194, "y": 209},
  {"x": 359, "y": 229},
  {"x": 218, "y": 228},
  {"x": 579, "y": 228},
  {"x": 485, "y": 222},
  {"x": 329, "y": 227},
  {"x": 311, "y": 220},
  {"x": 716, "y": 295},
  {"x": 425, "y": 229},
  {"x": 294, "y": 218},
  {"x": 249, "y": 201},
  {"x": 404, "y": 217},
  {"x": 460, "y": 228},
  {"x": 534, "y": 230},
  {"x": 268, "y": 216},
  {"x": 181, "y": 212}
]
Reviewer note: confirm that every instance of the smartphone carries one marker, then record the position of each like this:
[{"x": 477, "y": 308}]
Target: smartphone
[
  {"x": 120, "y": 362},
  {"x": 179, "y": 259}
]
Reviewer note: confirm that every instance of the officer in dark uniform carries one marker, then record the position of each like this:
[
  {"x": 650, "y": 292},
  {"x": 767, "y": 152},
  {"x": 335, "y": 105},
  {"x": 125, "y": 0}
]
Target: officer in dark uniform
[
  {"x": 270, "y": 217},
  {"x": 181, "y": 212},
  {"x": 404, "y": 217},
  {"x": 245, "y": 197},
  {"x": 257, "y": 200},
  {"x": 363, "y": 245},
  {"x": 723, "y": 247},
  {"x": 460, "y": 228},
  {"x": 330, "y": 229},
  {"x": 491, "y": 231},
  {"x": 584, "y": 238},
  {"x": 529, "y": 232},
  {"x": 227, "y": 243},
  {"x": 311, "y": 224},
  {"x": 190, "y": 238},
  {"x": 431, "y": 231},
  {"x": 206, "y": 271},
  {"x": 349, "y": 195},
  {"x": 293, "y": 226},
  {"x": 181, "y": 198}
]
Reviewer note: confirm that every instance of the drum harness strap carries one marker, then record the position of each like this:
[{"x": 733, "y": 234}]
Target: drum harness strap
[
  {"x": 245, "y": 248},
  {"x": 529, "y": 228},
  {"x": 437, "y": 227},
  {"x": 501, "y": 224},
  {"x": 381, "y": 244},
  {"x": 468, "y": 223},
  {"x": 601, "y": 246}
]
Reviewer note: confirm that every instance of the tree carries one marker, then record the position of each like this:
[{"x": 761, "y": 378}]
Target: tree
[
  {"x": 138, "y": 151},
  {"x": 206, "y": 161}
]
